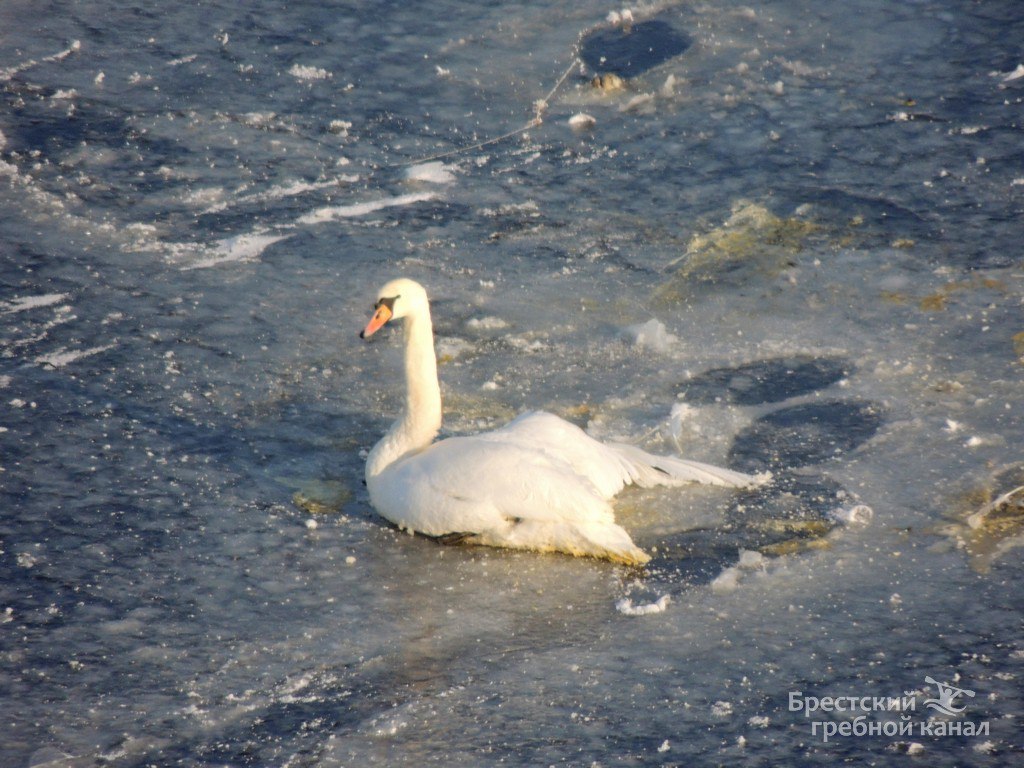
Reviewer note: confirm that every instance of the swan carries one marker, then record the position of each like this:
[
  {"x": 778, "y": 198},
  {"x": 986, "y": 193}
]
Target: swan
[{"x": 538, "y": 483}]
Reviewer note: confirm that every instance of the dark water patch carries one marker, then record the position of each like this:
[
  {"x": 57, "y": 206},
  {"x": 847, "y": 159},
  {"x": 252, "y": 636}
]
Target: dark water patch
[
  {"x": 631, "y": 50},
  {"x": 805, "y": 434},
  {"x": 295, "y": 725},
  {"x": 787, "y": 515},
  {"x": 46, "y": 124},
  {"x": 765, "y": 381},
  {"x": 870, "y": 216},
  {"x": 792, "y": 508},
  {"x": 695, "y": 557}
]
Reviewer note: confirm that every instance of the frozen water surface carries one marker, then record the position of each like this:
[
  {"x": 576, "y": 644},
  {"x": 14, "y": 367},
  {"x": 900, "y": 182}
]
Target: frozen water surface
[{"x": 814, "y": 208}]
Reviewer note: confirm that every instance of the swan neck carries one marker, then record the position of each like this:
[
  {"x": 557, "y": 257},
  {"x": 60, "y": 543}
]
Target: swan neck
[{"x": 420, "y": 420}]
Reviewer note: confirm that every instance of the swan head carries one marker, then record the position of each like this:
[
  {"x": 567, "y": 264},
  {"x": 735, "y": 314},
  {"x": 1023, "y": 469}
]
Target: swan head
[{"x": 397, "y": 299}]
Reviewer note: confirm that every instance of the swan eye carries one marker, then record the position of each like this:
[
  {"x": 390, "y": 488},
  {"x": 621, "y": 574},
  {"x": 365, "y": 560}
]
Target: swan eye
[{"x": 389, "y": 303}]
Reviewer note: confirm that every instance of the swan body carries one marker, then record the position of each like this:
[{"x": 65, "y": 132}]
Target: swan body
[{"x": 538, "y": 483}]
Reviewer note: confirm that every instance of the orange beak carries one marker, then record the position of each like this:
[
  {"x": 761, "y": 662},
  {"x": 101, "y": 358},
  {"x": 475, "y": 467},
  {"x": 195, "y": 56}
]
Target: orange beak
[{"x": 380, "y": 316}]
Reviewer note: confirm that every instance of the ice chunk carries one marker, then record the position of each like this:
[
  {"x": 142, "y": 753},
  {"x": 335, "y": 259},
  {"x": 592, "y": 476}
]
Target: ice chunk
[
  {"x": 651, "y": 335},
  {"x": 581, "y": 121},
  {"x": 751, "y": 560},
  {"x": 1016, "y": 74},
  {"x": 681, "y": 413},
  {"x": 721, "y": 709},
  {"x": 243, "y": 248},
  {"x": 300, "y": 72},
  {"x": 858, "y": 515},
  {"x": 625, "y": 606},
  {"x": 431, "y": 173},
  {"x": 729, "y": 579}
]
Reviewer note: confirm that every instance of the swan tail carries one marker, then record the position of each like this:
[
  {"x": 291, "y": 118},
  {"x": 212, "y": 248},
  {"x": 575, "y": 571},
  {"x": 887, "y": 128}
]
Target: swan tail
[{"x": 647, "y": 469}]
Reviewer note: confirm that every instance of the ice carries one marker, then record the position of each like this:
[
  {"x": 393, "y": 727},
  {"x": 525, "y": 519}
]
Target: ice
[
  {"x": 431, "y": 173},
  {"x": 7, "y": 73},
  {"x": 581, "y": 121},
  {"x": 242, "y": 248},
  {"x": 625, "y": 606},
  {"x": 304, "y": 72},
  {"x": 332, "y": 213},
  {"x": 24, "y": 303},
  {"x": 857, "y": 515},
  {"x": 651, "y": 335},
  {"x": 486, "y": 323},
  {"x": 63, "y": 357},
  {"x": 1016, "y": 74},
  {"x": 732, "y": 577},
  {"x": 721, "y": 709},
  {"x": 773, "y": 247}
]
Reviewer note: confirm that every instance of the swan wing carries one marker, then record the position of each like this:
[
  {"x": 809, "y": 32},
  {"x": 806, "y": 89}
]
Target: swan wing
[
  {"x": 502, "y": 494},
  {"x": 611, "y": 466},
  {"x": 605, "y": 469},
  {"x": 514, "y": 481}
]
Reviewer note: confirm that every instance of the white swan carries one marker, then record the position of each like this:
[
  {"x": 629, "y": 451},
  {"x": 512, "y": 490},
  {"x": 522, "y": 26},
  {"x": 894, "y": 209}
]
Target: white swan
[{"x": 537, "y": 483}]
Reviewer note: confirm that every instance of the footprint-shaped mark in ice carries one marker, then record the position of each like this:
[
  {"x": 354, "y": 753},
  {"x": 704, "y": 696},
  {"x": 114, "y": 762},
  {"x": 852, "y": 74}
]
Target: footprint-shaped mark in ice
[
  {"x": 805, "y": 434},
  {"x": 766, "y": 381},
  {"x": 633, "y": 49}
]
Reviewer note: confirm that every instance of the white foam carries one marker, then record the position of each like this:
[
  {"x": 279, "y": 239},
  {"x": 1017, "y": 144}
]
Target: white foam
[{"x": 334, "y": 212}]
